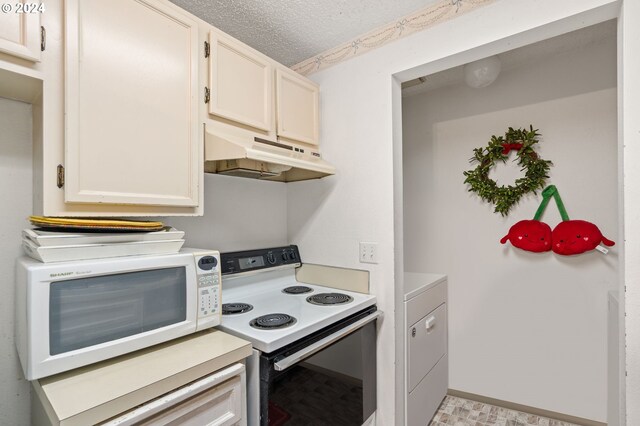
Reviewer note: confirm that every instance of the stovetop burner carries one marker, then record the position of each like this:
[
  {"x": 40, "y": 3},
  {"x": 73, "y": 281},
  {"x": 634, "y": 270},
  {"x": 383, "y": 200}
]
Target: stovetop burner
[
  {"x": 235, "y": 308},
  {"x": 272, "y": 321},
  {"x": 330, "y": 299},
  {"x": 297, "y": 289}
]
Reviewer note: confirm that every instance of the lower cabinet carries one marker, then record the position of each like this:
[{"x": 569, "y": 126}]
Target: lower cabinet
[
  {"x": 213, "y": 400},
  {"x": 196, "y": 380}
]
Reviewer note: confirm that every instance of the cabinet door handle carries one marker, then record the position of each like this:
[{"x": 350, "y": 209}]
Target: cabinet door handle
[{"x": 430, "y": 322}]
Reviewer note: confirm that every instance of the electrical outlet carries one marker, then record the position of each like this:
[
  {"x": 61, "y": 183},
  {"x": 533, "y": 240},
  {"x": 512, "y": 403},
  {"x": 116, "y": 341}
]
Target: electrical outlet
[{"x": 368, "y": 252}]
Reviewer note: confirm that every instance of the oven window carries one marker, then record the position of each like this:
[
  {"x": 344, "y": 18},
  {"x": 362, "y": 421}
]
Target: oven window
[
  {"x": 88, "y": 311},
  {"x": 336, "y": 386},
  {"x": 325, "y": 389}
]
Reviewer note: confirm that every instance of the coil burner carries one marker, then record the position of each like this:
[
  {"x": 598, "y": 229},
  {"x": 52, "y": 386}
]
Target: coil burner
[
  {"x": 329, "y": 299},
  {"x": 235, "y": 308},
  {"x": 272, "y": 321},
  {"x": 297, "y": 289}
]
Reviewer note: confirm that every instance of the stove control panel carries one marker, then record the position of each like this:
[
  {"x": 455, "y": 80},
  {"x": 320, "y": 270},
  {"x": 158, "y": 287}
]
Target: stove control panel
[{"x": 251, "y": 260}]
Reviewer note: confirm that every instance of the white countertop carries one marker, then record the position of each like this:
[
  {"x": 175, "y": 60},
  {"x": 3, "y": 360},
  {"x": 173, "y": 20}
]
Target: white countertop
[{"x": 416, "y": 283}]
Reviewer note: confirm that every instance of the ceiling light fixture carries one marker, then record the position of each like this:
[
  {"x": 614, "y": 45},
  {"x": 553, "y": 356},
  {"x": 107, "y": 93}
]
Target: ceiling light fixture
[{"x": 483, "y": 72}]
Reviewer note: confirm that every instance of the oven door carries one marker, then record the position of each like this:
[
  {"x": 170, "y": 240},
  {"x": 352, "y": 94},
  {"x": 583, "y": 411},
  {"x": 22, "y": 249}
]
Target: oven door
[{"x": 326, "y": 378}]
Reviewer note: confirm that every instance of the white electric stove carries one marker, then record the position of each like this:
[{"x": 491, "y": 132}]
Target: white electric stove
[
  {"x": 290, "y": 309},
  {"x": 290, "y": 324}
]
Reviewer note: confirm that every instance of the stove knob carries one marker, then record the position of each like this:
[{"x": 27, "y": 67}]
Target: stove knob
[
  {"x": 292, "y": 255},
  {"x": 271, "y": 258},
  {"x": 284, "y": 256}
]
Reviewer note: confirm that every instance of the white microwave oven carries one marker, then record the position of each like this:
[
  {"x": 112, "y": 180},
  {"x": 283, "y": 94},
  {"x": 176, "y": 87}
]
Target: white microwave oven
[{"x": 70, "y": 314}]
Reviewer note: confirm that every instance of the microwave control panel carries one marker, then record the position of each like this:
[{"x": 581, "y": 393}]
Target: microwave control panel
[{"x": 208, "y": 276}]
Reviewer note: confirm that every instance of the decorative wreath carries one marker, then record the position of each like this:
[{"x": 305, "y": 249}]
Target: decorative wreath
[{"x": 536, "y": 169}]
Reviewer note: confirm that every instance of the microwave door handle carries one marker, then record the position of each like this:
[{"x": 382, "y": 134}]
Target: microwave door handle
[{"x": 287, "y": 362}]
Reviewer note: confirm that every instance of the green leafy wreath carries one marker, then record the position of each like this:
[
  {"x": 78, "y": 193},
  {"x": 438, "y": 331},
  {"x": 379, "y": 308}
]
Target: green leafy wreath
[{"x": 535, "y": 168}]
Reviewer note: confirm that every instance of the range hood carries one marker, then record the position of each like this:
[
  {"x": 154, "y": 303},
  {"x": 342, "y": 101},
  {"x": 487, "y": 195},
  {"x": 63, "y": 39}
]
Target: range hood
[{"x": 259, "y": 158}]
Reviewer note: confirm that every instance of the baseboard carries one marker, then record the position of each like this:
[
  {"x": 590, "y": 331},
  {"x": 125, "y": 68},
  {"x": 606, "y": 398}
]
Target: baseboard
[{"x": 525, "y": 408}]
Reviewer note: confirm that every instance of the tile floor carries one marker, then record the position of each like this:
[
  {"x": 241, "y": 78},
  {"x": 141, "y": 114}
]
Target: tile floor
[{"x": 464, "y": 412}]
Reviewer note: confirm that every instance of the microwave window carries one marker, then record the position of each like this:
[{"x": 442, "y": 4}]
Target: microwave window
[{"x": 88, "y": 311}]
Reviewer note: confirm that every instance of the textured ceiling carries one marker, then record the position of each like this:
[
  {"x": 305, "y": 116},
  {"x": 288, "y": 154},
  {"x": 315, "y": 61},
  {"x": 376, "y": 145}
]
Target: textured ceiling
[{"x": 291, "y": 31}]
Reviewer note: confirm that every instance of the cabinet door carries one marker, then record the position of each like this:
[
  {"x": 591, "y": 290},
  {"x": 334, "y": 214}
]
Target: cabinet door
[
  {"x": 20, "y": 32},
  {"x": 241, "y": 84},
  {"x": 427, "y": 344},
  {"x": 131, "y": 103},
  {"x": 297, "y": 107}
]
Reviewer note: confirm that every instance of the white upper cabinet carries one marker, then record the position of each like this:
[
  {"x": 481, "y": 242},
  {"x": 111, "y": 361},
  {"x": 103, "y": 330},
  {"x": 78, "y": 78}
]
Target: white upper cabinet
[
  {"x": 297, "y": 100},
  {"x": 253, "y": 92},
  {"x": 131, "y": 104},
  {"x": 20, "y": 30},
  {"x": 241, "y": 85}
]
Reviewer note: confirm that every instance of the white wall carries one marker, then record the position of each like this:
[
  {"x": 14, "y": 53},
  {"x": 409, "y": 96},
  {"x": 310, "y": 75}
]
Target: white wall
[
  {"x": 523, "y": 327},
  {"x": 239, "y": 214},
  {"x": 329, "y": 217},
  {"x": 630, "y": 103},
  {"x": 16, "y": 189}
]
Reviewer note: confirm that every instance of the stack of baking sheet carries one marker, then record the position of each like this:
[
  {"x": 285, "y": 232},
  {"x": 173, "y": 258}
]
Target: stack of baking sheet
[{"x": 65, "y": 239}]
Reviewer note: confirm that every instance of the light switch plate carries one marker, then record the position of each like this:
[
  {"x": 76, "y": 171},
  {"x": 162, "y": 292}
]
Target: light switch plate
[{"x": 368, "y": 252}]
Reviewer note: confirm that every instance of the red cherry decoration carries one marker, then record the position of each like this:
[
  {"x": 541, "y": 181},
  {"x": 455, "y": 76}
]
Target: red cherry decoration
[
  {"x": 529, "y": 235},
  {"x": 577, "y": 236}
]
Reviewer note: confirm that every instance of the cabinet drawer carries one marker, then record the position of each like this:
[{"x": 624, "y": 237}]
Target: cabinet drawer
[
  {"x": 427, "y": 344},
  {"x": 423, "y": 402},
  {"x": 204, "y": 402}
]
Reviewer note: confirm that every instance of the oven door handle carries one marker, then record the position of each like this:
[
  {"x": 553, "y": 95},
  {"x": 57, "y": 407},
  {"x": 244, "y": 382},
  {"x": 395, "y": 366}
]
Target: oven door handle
[{"x": 287, "y": 362}]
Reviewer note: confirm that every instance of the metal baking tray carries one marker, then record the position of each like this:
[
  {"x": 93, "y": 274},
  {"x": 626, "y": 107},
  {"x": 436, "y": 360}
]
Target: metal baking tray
[
  {"x": 97, "y": 251},
  {"x": 42, "y": 238}
]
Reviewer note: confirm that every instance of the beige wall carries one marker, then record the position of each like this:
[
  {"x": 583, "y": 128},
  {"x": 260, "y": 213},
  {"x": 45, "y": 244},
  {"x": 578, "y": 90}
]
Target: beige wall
[
  {"x": 16, "y": 190},
  {"x": 524, "y": 327}
]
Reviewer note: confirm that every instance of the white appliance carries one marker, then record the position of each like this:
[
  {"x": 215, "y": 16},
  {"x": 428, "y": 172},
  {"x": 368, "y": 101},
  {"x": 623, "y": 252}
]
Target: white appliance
[
  {"x": 426, "y": 360},
  {"x": 71, "y": 314},
  {"x": 295, "y": 328}
]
